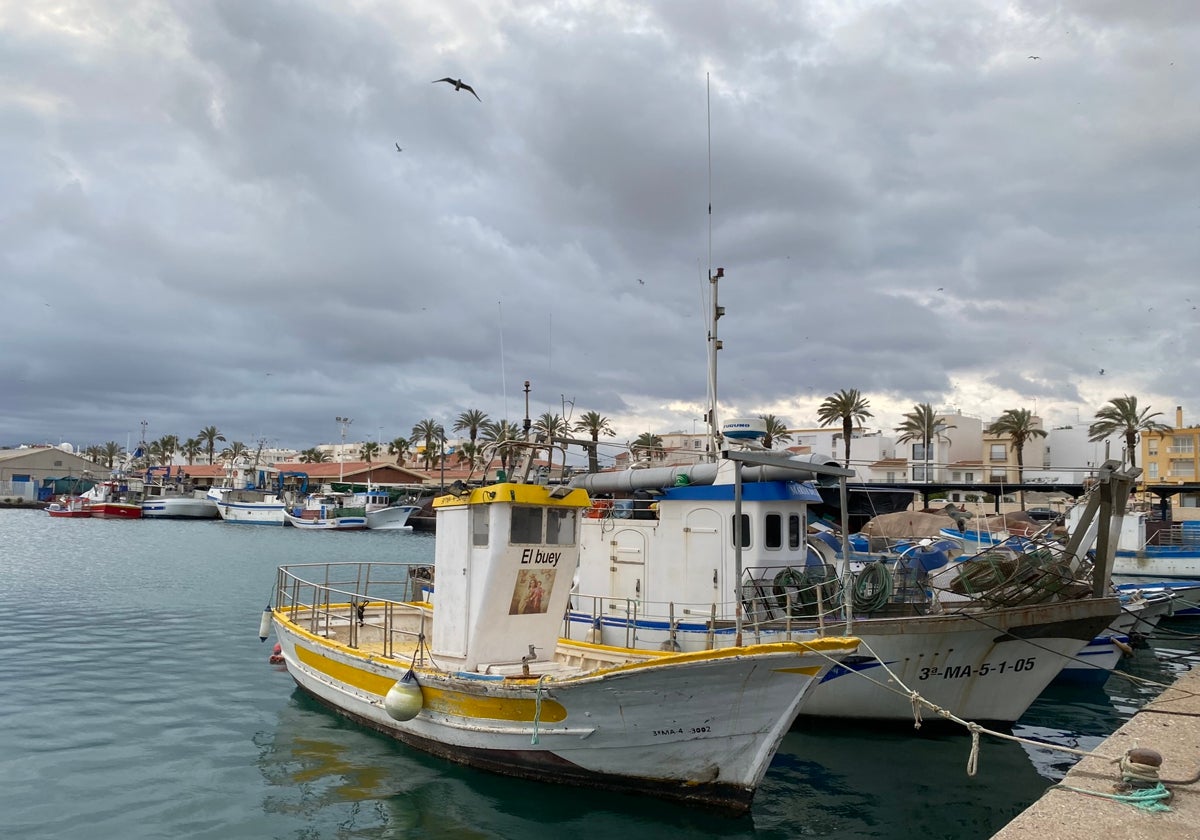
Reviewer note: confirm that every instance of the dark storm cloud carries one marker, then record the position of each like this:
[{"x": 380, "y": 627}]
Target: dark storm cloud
[{"x": 206, "y": 221}]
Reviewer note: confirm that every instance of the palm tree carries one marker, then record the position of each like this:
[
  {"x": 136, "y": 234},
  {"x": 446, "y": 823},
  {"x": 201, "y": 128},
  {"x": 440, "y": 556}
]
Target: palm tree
[
  {"x": 593, "y": 424},
  {"x": 1121, "y": 416},
  {"x": 1017, "y": 425},
  {"x": 651, "y": 444},
  {"x": 846, "y": 406},
  {"x": 158, "y": 453},
  {"x": 398, "y": 448},
  {"x": 368, "y": 451},
  {"x": 170, "y": 445},
  {"x": 191, "y": 450},
  {"x": 234, "y": 452},
  {"x": 923, "y": 424},
  {"x": 94, "y": 453},
  {"x": 314, "y": 456},
  {"x": 467, "y": 453},
  {"x": 499, "y": 433},
  {"x": 776, "y": 430},
  {"x": 111, "y": 452},
  {"x": 472, "y": 423},
  {"x": 552, "y": 426},
  {"x": 208, "y": 437},
  {"x": 429, "y": 430}
]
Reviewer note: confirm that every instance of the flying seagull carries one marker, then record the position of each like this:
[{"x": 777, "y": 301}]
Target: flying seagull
[
  {"x": 459, "y": 84},
  {"x": 1035, "y": 57},
  {"x": 398, "y": 149}
]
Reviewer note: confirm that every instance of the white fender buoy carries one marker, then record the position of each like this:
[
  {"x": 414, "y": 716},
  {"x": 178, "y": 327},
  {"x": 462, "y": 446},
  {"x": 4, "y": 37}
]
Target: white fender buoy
[
  {"x": 264, "y": 626},
  {"x": 403, "y": 700}
]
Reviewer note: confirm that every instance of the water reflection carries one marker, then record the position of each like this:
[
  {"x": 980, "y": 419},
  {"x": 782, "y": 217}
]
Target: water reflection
[{"x": 328, "y": 775}]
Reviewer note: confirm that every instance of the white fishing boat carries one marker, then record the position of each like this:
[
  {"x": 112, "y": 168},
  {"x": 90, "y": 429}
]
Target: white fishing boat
[
  {"x": 382, "y": 514},
  {"x": 327, "y": 511},
  {"x": 660, "y": 578},
  {"x": 1148, "y": 549},
  {"x": 254, "y": 504},
  {"x": 168, "y": 496},
  {"x": 480, "y": 675},
  {"x": 247, "y": 506}
]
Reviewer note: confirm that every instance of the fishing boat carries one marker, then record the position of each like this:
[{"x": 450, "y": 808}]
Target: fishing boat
[
  {"x": 663, "y": 577},
  {"x": 1150, "y": 549},
  {"x": 480, "y": 676},
  {"x": 382, "y": 514},
  {"x": 247, "y": 505},
  {"x": 116, "y": 498},
  {"x": 327, "y": 511},
  {"x": 70, "y": 507},
  {"x": 169, "y": 496}
]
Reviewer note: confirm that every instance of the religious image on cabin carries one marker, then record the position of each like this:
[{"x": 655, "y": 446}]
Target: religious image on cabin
[{"x": 531, "y": 595}]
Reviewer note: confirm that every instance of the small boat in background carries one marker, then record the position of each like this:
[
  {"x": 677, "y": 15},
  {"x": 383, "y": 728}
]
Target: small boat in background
[
  {"x": 382, "y": 514},
  {"x": 170, "y": 497},
  {"x": 70, "y": 507},
  {"x": 327, "y": 512},
  {"x": 116, "y": 498}
]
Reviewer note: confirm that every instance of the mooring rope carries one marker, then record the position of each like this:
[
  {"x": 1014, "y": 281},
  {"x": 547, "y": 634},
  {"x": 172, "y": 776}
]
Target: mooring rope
[{"x": 537, "y": 708}]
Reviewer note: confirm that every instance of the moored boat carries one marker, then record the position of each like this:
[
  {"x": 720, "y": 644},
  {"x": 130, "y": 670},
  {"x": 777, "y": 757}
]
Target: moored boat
[
  {"x": 167, "y": 496},
  {"x": 115, "y": 499},
  {"x": 327, "y": 512},
  {"x": 480, "y": 676},
  {"x": 657, "y": 576},
  {"x": 70, "y": 507}
]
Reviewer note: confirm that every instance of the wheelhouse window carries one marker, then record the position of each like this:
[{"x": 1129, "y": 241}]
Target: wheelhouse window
[
  {"x": 745, "y": 530},
  {"x": 560, "y": 525},
  {"x": 479, "y": 524},
  {"x": 773, "y": 531},
  {"x": 526, "y": 525},
  {"x": 794, "y": 531}
]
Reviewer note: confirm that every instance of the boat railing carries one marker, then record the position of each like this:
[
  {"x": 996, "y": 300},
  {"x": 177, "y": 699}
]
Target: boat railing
[
  {"x": 380, "y": 605},
  {"x": 796, "y": 609}
]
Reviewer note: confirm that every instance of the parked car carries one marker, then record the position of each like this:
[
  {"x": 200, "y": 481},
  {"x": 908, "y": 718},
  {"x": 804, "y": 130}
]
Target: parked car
[{"x": 1039, "y": 514}]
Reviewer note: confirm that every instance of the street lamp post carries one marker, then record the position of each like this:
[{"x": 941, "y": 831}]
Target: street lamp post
[{"x": 343, "y": 422}]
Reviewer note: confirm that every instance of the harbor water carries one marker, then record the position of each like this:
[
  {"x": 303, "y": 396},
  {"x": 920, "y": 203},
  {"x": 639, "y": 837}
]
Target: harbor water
[{"x": 137, "y": 701}]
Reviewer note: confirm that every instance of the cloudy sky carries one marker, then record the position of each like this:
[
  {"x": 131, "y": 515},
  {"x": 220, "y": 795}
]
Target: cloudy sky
[{"x": 205, "y": 220}]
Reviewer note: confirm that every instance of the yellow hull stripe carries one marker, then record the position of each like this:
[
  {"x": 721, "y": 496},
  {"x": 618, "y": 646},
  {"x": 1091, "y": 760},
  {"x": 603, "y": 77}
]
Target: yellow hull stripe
[{"x": 445, "y": 701}]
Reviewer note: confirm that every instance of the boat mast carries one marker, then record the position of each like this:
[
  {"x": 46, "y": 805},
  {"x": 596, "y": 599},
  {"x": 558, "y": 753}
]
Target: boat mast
[{"x": 714, "y": 343}]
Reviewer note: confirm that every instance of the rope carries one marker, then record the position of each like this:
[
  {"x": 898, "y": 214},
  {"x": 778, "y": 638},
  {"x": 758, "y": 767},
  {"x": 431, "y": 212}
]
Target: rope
[
  {"x": 537, "y": 709},
  {"x": 1150, "y": 800}
]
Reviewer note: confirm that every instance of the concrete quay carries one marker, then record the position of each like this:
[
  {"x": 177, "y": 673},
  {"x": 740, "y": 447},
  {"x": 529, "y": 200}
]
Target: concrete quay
[{"x": 1170, "y": 725}]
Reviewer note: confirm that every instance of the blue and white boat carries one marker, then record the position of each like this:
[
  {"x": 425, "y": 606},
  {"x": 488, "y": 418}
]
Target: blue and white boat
[{"x": 667, "y": 572}]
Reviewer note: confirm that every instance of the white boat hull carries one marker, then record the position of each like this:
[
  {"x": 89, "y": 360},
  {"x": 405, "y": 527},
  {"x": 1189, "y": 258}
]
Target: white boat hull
[
  {"x": 340, "y": 523},
  {"x": 394, "y": 518},
  {"x": 182, "y": 507},
  {"x": 1159, "y": 562},
  {"x": 699, "y": 729},
  {"x": 989, "y": 666},
  {"x": 268, "y": 511}
]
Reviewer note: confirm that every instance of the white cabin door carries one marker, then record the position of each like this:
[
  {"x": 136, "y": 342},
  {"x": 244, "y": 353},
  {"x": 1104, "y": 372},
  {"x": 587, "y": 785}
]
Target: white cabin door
[{"x": 627, "y": 568}]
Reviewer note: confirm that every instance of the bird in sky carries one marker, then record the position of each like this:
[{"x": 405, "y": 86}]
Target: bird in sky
[
  {"x": 398, "y": 149},
  {"x": 1101, "y": 371},
  {"x": 641, "y": 282},
  {"x": 1035, "y": 57},
  {"x": 459, "y": 84}
]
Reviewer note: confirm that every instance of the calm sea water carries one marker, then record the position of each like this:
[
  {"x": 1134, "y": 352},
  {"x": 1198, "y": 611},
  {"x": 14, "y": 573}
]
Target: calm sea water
[{"x": 136, "y": 701}]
